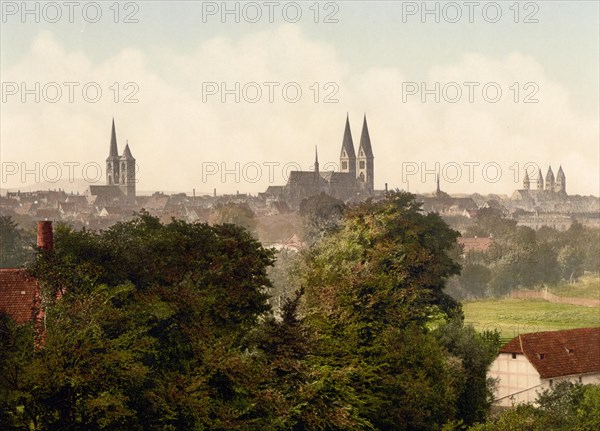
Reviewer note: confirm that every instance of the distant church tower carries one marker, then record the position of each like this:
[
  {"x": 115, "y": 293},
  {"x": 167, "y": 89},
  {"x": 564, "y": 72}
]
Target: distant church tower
[
  {"x": 560, "y": 185},
  {"x": 550, "y": 179},
  {"x": 112, "y": 161},
  {"x": 347, "y": 155},
  {"x": 120, "y": 170},
  {"x": 540, "y": 180},
  {"x": 365, "y": 165},
  {"x": 526, "y": 182},
  {"x": 127, "y": 171}
]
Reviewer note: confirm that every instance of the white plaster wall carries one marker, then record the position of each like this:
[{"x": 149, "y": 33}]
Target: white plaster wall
[{"x": 517, "y": 378}]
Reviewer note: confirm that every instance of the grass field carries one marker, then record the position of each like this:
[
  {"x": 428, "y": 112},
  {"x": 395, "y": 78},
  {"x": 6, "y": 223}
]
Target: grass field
[
  {"x": 514, "y": 316},
  {"x": 587, "y": 286}
]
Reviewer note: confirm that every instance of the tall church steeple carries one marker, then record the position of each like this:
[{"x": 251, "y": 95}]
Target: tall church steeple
[
  {"x": 550, "y": 179},
  {"x": 365, "y": 159},
  {"x": 128, "y": 172},
  {"x": 347, "y": 155},
  {"x": 526, "y": 182},
  {"x": 561, "y": 182},
  {"x": 540, "y": 180},
  {"x": 112, "y": 161}
]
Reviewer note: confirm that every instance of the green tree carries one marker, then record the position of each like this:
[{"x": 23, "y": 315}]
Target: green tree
[
  {"x": 237, "y": 214},
  {"x": 151, "y": 330},
  {"x": 475, "y": 352},
  {"x": 320, "y": 215},
  {"x": 371, "y": 288},
  {"x": 15, "y": 244}
]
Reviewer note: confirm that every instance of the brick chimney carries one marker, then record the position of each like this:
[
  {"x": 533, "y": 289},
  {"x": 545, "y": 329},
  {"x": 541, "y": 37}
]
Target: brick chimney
[{"x": 45, "y": 236}]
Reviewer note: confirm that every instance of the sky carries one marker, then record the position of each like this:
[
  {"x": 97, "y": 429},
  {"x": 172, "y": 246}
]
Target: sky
[{"x": 232, "y": 96}]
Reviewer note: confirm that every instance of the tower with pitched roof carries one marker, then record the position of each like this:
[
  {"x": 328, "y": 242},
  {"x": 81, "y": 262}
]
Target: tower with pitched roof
[
  {"x": 365, "y": 161},
  {"x": 127, "y": 170},
  {"x": 540, "y": 180},
  {"x": 526, "y": 182},
  {"x": 347, "y": 155},
  {"x": 550, "y": 179},
  {"x": 560, "y": 185},
  {"x": 120, "y": 170}
]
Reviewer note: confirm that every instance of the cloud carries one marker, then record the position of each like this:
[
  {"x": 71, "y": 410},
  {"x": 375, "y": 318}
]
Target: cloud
[{"x": 173, "y": 133}]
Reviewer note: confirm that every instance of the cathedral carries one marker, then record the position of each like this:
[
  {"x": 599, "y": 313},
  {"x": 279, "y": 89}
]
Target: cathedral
[
  {"x": 558, "y": 185},
  {"x": 546, "y": 193},
  {"x": 120, "y": 176},
  {"x": 355, "y": 177}
]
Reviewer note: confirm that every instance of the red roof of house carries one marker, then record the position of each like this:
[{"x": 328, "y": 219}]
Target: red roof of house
[
  {"x": 475, "y": 243},
  {"x": 17, "y": 294},
  {"x": 559, "y": 353}
]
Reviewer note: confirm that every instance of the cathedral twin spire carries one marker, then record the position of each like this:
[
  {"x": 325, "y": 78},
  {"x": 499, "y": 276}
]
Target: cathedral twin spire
[{"x": 358, "y": 166}]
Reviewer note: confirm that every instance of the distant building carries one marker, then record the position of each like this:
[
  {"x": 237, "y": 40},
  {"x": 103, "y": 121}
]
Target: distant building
[
  {"x": 554, "y": 189},
  {"x": 530, "y": 363},
  {"x": 355, "y": 177},
  {"x": 120, "y": 177}
]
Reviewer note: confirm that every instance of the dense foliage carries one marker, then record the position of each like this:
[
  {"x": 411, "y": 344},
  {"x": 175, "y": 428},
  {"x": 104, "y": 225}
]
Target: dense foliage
[
  {"x": 15, "y": 244},
  {"x": 372, "y": 290},
  {"x": 521, "y": 257},
  {"x": 153, "y": 326},
  {"x": 566, "y": 407}
]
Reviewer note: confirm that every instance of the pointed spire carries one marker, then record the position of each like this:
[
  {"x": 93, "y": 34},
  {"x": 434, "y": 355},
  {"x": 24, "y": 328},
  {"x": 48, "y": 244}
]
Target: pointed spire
[
  {"x": 347, "y": 143},
  {"x": 365, "y": 140},
  {"x": 114, "y": 152},
  {"x": 540, "y": 180},
  {"x": 316, "y": 156},
  {"x": 560, "y": 173},
  {"x": 526, "y": 181},
  {"x": 127, "y": 152},
  {"x": 437, "y": 184}
]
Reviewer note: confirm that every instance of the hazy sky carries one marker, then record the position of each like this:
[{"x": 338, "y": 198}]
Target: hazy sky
[{"x": 177, "y": 59}]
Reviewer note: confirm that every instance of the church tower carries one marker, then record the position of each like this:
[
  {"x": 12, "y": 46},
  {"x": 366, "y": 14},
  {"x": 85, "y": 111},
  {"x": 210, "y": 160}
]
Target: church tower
[
  {"x": 540, "y": 180},
  {"x": 526, "y": 182},
  {"x": 127, "y": 170},
  {"x": 365, "y": 166},
  {"x": 550, "y": 179},
  {"x": 112, "y": 161},
  {"x": 561, "y": 182},
  {"x": 347, "y": 155}
]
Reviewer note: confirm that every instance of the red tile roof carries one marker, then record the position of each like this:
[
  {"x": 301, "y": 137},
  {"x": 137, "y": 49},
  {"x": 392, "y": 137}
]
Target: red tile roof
[
  {"x": 559, "y": 353},
  {"x": 475, "y": 243},
  {"x": 17, "y": 294}
]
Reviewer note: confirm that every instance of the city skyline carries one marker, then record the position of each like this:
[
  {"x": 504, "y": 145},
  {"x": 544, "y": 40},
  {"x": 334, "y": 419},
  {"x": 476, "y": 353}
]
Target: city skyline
[{"x": 179, "y": 60}]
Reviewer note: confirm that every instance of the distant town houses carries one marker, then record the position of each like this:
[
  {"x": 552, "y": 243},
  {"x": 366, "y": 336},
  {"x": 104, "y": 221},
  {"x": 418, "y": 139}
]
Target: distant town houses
[{"x": 542, "y": 201}]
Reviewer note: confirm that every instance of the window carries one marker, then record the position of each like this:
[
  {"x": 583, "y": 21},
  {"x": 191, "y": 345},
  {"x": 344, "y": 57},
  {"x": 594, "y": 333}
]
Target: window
[
  {"x": 514, "y": 356},
  {"x": 580, "y": 379},
  {"x": 362, "y": 164},
  {"x": 344, "y": 165}
]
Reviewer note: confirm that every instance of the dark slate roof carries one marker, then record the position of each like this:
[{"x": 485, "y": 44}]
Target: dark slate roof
[
  {"x": 559, "y": 353},
  {"x": 347, "y": 143},
  {"x": 127, "y": 153},
  {"x": 304, "y": 178},
  {"x": 114, "y": 152},
  {"x": 106, "y": 192},
  {"x": 17, "y": 294}
]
